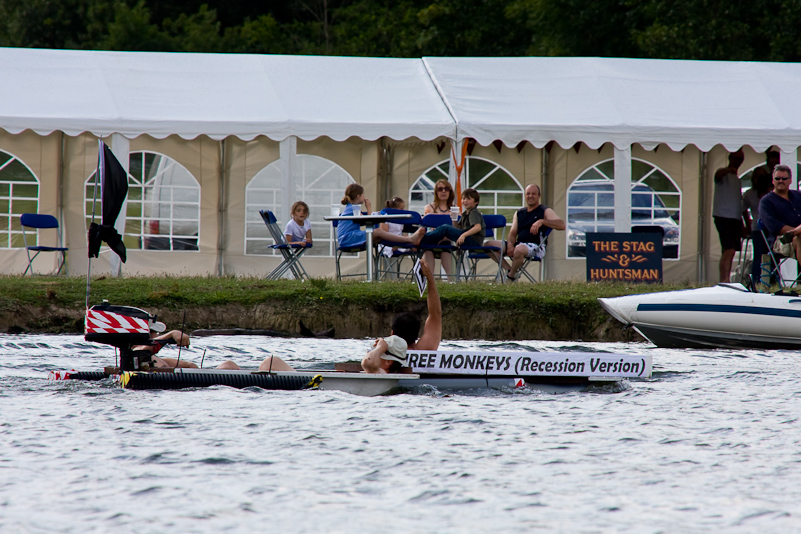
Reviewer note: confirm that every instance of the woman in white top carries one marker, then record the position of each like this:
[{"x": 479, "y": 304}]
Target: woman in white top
[{"x": 298, "y": 229}]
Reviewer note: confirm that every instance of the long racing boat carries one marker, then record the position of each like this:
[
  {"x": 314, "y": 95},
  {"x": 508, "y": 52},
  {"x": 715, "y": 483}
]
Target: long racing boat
[{"x": 722, "y": 316}]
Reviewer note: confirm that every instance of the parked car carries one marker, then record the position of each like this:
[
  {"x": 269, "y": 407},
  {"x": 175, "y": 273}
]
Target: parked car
[{"x": 591, "y": 208}]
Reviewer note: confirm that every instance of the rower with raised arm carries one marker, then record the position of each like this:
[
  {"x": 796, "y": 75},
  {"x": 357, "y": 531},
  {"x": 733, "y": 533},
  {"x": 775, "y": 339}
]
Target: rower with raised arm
[{"x": 405, "y": 326}]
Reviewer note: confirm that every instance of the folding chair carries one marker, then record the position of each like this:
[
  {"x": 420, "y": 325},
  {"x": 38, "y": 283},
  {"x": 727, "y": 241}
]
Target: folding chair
[
  {"x": 41, "y": 221},
  {"x": 773, "y": 268},
  {"x": 475, "y": 253},
  {"x": 290, "y": 252},
  {"x": 524, "y": 268},
  {"x": 434, "y": 220},
  {"x": 390, "y": 265},
  {"x": 346, "y": 250}
]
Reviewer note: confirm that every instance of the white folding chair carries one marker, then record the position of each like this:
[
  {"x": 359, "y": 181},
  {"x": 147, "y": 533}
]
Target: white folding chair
[
  {"x": 773, "y": 269},
  {"x": 524, "y": 268},
  {"x": 40, "y": 221},
  {"x": 291, "y": 253},
  {"x": 346, "y": 250}
]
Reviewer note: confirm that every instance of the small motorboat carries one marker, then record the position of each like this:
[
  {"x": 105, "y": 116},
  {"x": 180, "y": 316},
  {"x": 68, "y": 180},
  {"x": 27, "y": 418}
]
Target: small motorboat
[{"x": 722, "y": 316}]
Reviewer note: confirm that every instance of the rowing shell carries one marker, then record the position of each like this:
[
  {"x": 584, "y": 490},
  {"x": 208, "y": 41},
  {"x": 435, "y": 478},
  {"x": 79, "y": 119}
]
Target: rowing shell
[{"x": 453, "y": 370}]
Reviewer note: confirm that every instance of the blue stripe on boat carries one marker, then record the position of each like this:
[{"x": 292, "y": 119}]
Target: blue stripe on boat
[{"x": 720, "y": 308}]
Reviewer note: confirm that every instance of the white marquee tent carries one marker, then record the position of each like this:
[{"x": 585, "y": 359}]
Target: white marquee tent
[
  {"x": 536, "y": 99},
  {"x": 629, "y": 105}
]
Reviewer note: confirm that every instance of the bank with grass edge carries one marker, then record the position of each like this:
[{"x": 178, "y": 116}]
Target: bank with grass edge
[{"x": 559, "y": 310}]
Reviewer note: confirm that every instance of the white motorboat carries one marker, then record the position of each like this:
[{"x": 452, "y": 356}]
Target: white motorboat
[{"x": 722, "y": 316}]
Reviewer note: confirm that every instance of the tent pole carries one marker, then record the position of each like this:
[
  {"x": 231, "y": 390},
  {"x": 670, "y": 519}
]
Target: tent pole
[{"x": 701, "y": 266}]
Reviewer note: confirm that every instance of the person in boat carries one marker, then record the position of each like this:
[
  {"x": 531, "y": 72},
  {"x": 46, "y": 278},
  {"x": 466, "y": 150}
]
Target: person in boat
[
  {"x": 527, "y": 234},
  {"x": 780, "y": 210},
  {"x": 159, "y": 340},
  {"x": 405, "y": 326}
]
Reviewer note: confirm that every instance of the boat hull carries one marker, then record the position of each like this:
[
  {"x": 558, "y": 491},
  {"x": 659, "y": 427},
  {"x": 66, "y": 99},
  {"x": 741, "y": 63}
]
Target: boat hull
[
  {"x": 723, "y": 316},
  {"x": 447, "y": 370}
]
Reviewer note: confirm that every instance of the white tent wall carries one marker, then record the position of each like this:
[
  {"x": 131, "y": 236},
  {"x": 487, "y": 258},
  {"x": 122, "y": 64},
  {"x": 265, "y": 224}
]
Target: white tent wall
[
  {"x": 565, "y": 165},
  {"x": 42, "y": 155},
  {"x": 359, "y": 158},
  {"x": 243, "y": 160}
]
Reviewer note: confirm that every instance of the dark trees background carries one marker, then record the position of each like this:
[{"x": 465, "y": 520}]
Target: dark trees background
[{"x": 756, "y": 30}]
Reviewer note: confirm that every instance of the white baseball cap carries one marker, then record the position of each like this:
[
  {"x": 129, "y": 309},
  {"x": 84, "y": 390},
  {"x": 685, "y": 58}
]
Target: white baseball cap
[
  {"x": 156, "y": 326},
  {"x": 396, "y": 349}
]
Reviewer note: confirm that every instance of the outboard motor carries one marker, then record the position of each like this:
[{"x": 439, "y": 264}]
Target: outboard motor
[{"x": 122, "y": 327}]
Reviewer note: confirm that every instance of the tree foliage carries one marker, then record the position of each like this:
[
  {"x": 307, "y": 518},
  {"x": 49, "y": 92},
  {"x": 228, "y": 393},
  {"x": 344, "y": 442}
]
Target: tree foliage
[{"x": 757, "y": 30}]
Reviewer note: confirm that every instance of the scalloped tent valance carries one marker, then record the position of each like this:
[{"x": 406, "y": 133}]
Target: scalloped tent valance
[{"x": 535, "y": 99}]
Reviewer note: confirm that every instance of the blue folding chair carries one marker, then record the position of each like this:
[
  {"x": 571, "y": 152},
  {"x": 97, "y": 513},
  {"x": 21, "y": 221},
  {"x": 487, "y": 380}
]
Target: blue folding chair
[
  {"x": 389, "y": 264},
  {"x": 434, "y": 220},
  {"x": 291, "y": 253},
  {"x": 41, "y": 221},
  {"x": 472, "y": 254}
]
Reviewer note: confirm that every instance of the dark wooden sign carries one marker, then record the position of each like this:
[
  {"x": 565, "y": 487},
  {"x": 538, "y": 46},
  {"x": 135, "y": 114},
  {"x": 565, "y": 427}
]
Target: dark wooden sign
[{"x": 624, "y": 257}]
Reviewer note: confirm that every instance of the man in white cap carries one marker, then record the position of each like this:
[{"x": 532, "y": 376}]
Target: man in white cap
[
  {"x": 388, "y": 356},
  {"x": 158, "y": 341}
]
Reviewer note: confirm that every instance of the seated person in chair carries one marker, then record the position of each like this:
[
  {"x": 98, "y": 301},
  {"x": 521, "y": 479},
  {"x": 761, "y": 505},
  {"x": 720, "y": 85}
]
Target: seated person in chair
[
  {"x": 469, "y": 229},
  {"x": 349, "y": 234},
  {"x": 526, "y": 239},
  {"x": 780, "y": 210}
]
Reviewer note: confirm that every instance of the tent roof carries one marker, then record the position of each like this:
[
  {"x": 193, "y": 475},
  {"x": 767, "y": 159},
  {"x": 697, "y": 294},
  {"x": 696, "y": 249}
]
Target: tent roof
[
  {"x": 536, "y": 99},
  {"x": 218, "y": 95},
  {"x": 622, "y": 101}
]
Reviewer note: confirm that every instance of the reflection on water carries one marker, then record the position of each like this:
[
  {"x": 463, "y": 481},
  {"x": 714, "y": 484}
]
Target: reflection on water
[{"x": 708, "y": 443}]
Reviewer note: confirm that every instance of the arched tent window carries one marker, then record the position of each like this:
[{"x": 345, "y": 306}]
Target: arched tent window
[
  {"x": 319, "y": 182},
  {"x": 163, "y": 206},
  {"x": 655, "y": 201},
  {"x": 500, "y": 191},
  {"x": 19, "y": 193}
]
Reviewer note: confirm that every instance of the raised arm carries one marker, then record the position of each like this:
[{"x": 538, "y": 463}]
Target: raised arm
[{"x": 432, "y": 331}]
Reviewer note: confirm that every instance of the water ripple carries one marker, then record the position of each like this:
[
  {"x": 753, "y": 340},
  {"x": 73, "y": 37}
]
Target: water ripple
[{"x": 709, "y": 443}]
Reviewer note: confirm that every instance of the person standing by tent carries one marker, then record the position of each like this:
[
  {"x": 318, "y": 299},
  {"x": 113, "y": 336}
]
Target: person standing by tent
[
  {"x": 761, "y": 185},
  {"x": 727, "y": 210}
]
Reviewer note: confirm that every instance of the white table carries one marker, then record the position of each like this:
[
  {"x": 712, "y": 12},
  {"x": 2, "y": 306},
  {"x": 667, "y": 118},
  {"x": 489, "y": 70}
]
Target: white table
[{"x": 369, "y": 222}]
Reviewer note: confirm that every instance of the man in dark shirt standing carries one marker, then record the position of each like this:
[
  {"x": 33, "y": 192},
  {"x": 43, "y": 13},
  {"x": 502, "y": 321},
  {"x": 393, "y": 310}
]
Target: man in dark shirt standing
[{"x": 526, "y": 236}]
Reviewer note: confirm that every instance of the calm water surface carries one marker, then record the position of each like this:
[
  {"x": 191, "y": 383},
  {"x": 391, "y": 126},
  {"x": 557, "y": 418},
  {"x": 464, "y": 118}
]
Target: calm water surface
[{"x": 710, "y": 443}]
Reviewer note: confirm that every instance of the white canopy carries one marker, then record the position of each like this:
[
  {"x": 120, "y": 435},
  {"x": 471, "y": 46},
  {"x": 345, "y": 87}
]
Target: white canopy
[
  {"x": 218, "y": 95},
  {"x": 536, "y": 99},
  {"x": 622, "y": 101}
]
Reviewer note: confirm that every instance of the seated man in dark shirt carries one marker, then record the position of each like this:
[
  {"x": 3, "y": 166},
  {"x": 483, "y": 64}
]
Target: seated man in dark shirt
[{"x": 780, "y": 210}]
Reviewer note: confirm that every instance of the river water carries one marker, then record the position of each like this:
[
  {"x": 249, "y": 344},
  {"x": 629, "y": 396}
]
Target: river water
[{"x": 709, "y": 443}]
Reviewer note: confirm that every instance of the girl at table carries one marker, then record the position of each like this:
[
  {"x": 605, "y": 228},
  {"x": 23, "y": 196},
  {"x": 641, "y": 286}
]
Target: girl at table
[
  {"x": 350, "y": 234},
  {"x": 396, "y": 229}
]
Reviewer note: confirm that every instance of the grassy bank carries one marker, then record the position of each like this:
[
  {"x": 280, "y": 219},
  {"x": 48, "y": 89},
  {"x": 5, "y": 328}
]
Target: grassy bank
[{"x": 550, "y": 310}]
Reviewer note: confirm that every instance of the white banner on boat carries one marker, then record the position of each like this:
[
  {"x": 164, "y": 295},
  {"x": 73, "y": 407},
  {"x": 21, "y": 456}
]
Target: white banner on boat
[{"x": 586, "y": 364}]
